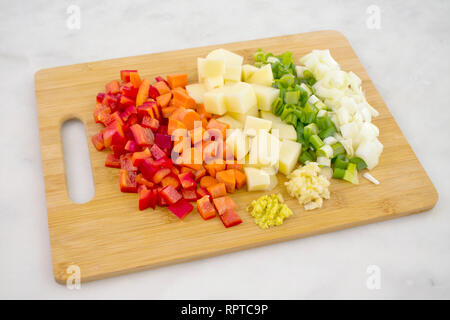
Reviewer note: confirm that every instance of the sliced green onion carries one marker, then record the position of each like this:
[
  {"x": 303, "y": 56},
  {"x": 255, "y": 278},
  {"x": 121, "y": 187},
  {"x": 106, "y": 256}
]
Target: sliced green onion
[
  {"x": 259, "y": 56},
  {"x": 305, "y": 156},
  {"x": 310, "y": 130},
  {"x": 341, "y": 162},
  {"x": 338, "y": 173},
  {"x": 327, "y": 132},
  {"x": 338, "y": 149},
  {"x": 292, "y": 97},
  {"x": 360, "y": 163},
  {"x": 316, "y": 142},
  {"x": 325, "y": 151}
]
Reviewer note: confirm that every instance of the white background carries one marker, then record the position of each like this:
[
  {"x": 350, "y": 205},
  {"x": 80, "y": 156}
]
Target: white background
[{"x": 407, "y": 60}]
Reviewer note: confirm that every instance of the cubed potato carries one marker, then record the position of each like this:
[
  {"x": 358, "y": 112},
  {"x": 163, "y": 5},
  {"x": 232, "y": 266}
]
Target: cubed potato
[
  {"x": 240, "y": 98},
  {"x": 288, "y": 157},
  {"x": 254, "y": 124},
  {"x": 238, "y": 143},
  {"x": 247, "y": 71},
  {"x": 264, "y": 149},
  {"x": 263, "y": 76},
  {"x": 196, "y": 91},
  {"x": 233, "y": 72},
  {"x": 265, "y": 96},
  {"x": 229, "y": 57},
  {"x": 241, "y": 117},
  {"x": 233, "y": 123},
  {"x": 285, "y": 131},
  {"x": 257, "y": 180},
  {"x": 268, "y": 115},
  {"x": 213, "y": 82},
  {"x": 273, "y": 182},
  {"x": 214, "y": 101},
  {"x": 213, "y": 68}
]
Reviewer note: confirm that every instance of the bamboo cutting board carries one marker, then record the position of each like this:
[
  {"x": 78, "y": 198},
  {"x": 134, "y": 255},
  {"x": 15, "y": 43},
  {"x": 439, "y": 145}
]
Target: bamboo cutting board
[{"x": 109, "y": 236}]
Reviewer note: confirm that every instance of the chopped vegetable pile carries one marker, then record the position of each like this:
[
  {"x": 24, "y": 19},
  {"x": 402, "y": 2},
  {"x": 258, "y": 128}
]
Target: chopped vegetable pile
[{"x": 155, "y": 132}]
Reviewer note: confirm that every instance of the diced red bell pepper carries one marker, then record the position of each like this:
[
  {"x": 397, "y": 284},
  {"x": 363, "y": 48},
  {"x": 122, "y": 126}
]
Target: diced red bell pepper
[
  {"x": 113, "y": 134},
  {"x": 163, "y": 129},
  {"x": 159, "y": 78},
  {"x": 102, "y": 115},
  {"x": 147, "y": 109},
  {"x": 100, "y": 96},
  {"x": 230, "y": 218},
  {"x": 160, "y": 174},
  {"x": 181, "y": 208},
  {"x": 164, "y": 141},
  {"x": 111, "y": 101},
  {"x": 125, "y": 75},
  {"x": 129, "y": 90},
  {"x": 201, "y": 192},
  {"x": 127, "y": 101},
  {"x": 97, "y": 141},
  {"x": 118, "y": 149},
  {"x": 147, "y": 169},
  {"x": 161, "y": 201},
  {"x": 133, "y": 119},
  {"x": 128, "y": 112},
  {"x": 189, "y": 194},
  {"x": 128, "y": 181},
  {"x": 145, "y": 197},
  {"x": 115, "y": 117},
  {"x": 187, "y": 180},
  {"x": 113, "y": 87},
  {"x": 205, "y": 208},
  {"x": 171, "y": 180},
  {"x": 131, "y": 146},
  {"x": 151, "y": 123},
  {"x": 142, "y": 136},
  {"x": 126, "y": 163},
  {"x": 170, "y": 194},
  {"x": 223, "y": 204},
  {"x": 157, "y": 153},
  {"x": 163, "y": 162},
  {"x": 138, "y": 157},
  {"x": 153, "y": 93},
  {"x": 112, "y": 161}
]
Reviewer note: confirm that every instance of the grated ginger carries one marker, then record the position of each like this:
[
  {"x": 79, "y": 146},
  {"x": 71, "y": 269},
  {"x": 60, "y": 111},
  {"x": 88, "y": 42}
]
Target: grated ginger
[
  {"x": 308, "y": 186},
  {"x": 269, "y": 210}
]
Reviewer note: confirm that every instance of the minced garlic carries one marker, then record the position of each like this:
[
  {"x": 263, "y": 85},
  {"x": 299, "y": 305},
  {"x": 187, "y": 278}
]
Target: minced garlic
[
  {"x": 308, "y": 186},
  {"x": 269, "y": 210}
]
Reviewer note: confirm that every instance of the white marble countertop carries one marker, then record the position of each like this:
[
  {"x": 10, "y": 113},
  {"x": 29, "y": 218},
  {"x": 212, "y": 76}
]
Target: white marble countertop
[{"x": 407, "y": 59}]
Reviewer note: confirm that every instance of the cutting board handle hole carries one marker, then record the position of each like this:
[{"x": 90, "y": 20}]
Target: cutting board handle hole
[{"x": 77, "y": 161}]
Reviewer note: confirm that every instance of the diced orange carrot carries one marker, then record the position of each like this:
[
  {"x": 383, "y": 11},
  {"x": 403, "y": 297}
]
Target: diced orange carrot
[
  {"x": 170, "y": 180},
  {"x": 178, "y": 113},
  {"x": 164, "y": 99},
  {"x": 162, "y": 87},
  {"x": 177, "y": 80},
  {"x": 194, "y": 166},
  {"x": 196, "y": 138},
  {"x": 135, "y": 79},
  {"x": 240, "y": 178},
  {"x": 202, "y": 111},
  {"x": 167, "y": 111},
  {"x": 223, "y": 204},
  {"x": 182, "y": 99},
  {"x": 227, "y": 177},
  {"x": 188, "y": 117},
  {"x": 175, "y": 124},
  {"x": 217, "y": 190},
  {"x": 208, "y": 181},
  {"x": 215, "y": 124},
  {"x": 186, "y": 169},
  {"x": 234, "y": 165},
  {"x": 142, "y": 94},
  {"x": 198, "y": 174}
]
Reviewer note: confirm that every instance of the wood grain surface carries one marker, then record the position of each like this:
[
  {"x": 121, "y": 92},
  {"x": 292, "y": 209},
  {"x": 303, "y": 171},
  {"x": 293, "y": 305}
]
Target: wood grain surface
[{"x": 109, "y": 236}]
